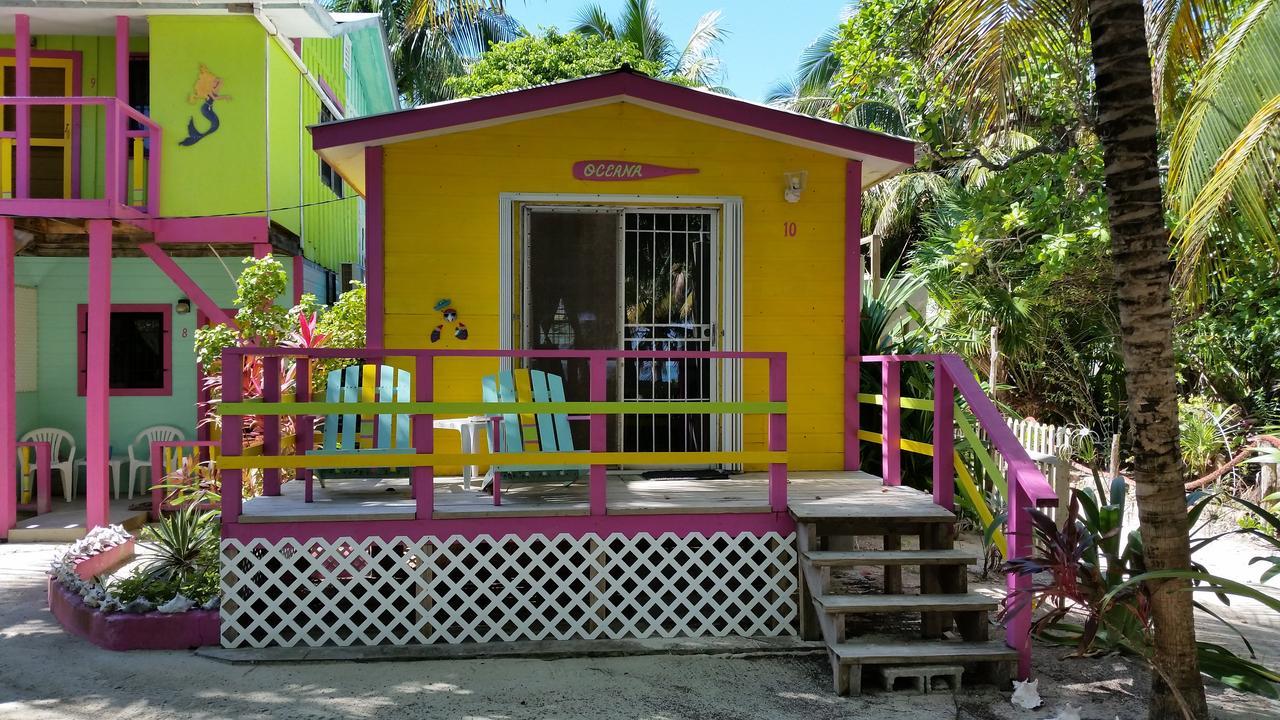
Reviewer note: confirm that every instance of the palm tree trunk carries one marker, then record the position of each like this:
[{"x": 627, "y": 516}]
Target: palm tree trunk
[{"x": 1140, "y": 246}]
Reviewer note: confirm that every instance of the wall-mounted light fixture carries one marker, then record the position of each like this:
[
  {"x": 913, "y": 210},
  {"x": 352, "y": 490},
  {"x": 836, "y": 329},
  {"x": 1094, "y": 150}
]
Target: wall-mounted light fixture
[
  {"x": 182, "y": 307},
  {"x": 793, "y": 185}
]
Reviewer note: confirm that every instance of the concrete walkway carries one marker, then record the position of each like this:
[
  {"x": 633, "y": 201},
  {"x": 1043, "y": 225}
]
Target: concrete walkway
[{"x": 45, "y": 673}]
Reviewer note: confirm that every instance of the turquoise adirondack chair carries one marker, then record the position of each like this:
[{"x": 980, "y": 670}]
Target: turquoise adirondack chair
[
  {"x": 529, "y": 432},
  {"x": 350, "y": 433}
]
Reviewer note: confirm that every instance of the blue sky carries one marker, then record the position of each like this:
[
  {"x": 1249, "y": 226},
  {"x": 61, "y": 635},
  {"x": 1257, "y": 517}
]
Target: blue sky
[{"x": 766, "y": 36}]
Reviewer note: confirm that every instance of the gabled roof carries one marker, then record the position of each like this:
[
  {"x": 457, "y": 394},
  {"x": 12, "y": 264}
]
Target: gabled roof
[{"x": 342, "y": 143}]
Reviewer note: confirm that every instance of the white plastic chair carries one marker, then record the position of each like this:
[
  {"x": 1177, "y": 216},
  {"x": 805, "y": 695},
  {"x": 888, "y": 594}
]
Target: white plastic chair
[
  {"x": 155, "y": 433},
  {"x": 57, "y": 439}
]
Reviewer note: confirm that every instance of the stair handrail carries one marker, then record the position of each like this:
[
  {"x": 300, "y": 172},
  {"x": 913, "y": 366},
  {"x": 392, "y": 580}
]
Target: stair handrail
[{"x": 1028, "y": 488}]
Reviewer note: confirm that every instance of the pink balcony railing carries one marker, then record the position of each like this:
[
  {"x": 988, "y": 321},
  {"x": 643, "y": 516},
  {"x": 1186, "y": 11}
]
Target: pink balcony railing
[
  {"x": 129, "y": 158},
  {"x": 1026, "y": 488},
  {"x": 424, "y": 409}
]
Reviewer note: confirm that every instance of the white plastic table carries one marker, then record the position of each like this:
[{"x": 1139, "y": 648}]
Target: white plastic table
[
  {"x": 468, "y": 429},
  {"x": 115, "y": 463}
]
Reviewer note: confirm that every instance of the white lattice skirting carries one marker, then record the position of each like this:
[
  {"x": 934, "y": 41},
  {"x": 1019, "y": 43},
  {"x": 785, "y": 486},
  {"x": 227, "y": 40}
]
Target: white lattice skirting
[{"x": 454, "y": 590}]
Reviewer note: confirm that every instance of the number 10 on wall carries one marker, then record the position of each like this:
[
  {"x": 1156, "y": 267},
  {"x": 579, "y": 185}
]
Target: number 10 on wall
[{"x": 788, "y": 229}]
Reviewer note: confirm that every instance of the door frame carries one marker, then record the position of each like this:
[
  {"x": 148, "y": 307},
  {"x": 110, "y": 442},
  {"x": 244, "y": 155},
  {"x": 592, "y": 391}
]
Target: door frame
[
  {"x": 729, "y": 300},
  {"x": 73, "y": 61}
]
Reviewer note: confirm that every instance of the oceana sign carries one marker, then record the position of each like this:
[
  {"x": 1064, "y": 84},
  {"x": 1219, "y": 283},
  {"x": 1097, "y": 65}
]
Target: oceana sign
[{"x": 617, "y": 170}]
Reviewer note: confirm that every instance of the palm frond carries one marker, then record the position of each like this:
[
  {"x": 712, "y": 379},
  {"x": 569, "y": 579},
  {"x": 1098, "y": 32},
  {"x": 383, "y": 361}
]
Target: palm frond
[
  {"x": 1222, "y": 151},
  {"x": 990, "y": 47},
  {"x": 818, "y": 62},
  {"x": 1181, "y": 34},
  {"x": 1244, "y": 178},
  {"x": 698, "y": 62},
  {"x": 642, "y": 27},
  {"x": 593, "y": 20},
  {"x": 791, "y": 94}
]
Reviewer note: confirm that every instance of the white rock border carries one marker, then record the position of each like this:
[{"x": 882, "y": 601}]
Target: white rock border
[{"x": 93, "y": 593}]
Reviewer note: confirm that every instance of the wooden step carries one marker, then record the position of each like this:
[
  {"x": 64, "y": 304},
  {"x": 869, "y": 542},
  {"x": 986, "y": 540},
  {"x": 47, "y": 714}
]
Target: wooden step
[
  {"x": 917, "y": 652},
  {"x": 836, "y": 558},
  {"x": 855, "y": 604}
]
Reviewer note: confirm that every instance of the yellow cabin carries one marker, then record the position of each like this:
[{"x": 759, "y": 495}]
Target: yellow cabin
[{"x": 619, "y": 212}]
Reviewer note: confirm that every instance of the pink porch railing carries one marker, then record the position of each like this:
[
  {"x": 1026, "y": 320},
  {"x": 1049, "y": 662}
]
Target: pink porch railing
[
  {"x": 130, "y": 160},
  {"x": 424, "y": 409},
  {"x": 1026, "y": 485}
]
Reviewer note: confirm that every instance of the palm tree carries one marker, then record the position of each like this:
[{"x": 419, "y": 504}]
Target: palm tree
[
  {"x": 433, "y": 40},
  {"x": 986, "y": 46},
  {"x": 695, "y": 63}
]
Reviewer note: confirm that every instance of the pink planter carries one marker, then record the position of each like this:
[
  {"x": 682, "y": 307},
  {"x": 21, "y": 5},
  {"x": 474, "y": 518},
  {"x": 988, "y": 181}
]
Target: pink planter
[
  {"x": 104, "y": 561},
  {"x": 123, "y": 631}
]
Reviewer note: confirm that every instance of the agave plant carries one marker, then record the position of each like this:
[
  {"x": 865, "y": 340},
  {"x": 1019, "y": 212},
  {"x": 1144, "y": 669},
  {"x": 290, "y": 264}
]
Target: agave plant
[{"x": 183, "y": 544}]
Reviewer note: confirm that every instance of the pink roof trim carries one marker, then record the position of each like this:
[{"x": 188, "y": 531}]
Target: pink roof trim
[{"x": 620, "y": 84}]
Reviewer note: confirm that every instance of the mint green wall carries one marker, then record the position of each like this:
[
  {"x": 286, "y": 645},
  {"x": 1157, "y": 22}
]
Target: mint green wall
[
  {"x": 60, "y": 287},
  {"x": 370, "y": 91}
]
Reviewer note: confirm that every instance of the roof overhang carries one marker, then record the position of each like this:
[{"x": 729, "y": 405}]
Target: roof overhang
[
  {"x": 342, "y": 144},
  {"x": 293, "y": 18}
]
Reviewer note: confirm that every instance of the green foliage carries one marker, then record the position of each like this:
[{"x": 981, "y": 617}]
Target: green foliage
[
  {"x": 1097, "y": 573},
  {"x": 261, "y": 321},
  {"x": 183, "y": 557},
  {"x": 1228, "y": 347},
  {"x": 548, "y": 58},
  {"x": 1208, "y": 433},
  {"x": 694, "y": 63}
]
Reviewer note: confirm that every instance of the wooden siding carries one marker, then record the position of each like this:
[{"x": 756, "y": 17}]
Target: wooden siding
[
  {"x": 442, "y": 241},
  {"x": 330, "y": 223}
]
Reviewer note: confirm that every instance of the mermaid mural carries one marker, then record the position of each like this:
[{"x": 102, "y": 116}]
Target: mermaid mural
[{"x": 205, "y": 92}]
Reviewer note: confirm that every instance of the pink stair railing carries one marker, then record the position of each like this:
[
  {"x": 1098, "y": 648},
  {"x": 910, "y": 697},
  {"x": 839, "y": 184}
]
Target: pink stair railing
[{"x": 1027, "y": 486}]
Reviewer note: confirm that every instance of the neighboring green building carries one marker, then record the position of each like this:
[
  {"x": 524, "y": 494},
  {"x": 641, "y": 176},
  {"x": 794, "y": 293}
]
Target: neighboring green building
[{"x": 219, "y": 168}]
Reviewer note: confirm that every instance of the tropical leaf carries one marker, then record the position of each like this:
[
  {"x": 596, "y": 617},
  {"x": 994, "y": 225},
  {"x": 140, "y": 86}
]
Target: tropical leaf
[
  {"x": 991, "y": 48},
  {"x": 698, "y": 62},
  {"x": 1181, "y": 34},
  {"x": 1222, "y": 152}
]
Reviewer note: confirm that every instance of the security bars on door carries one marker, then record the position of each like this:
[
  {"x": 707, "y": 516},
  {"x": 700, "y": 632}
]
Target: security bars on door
[{"x": 669, "y": 289}]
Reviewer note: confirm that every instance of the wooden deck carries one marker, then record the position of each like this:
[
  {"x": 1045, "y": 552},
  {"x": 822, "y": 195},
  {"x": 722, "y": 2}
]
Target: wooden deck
[
  {"x": 833, "y": 493},
  {"x": 65, "y": 523}
]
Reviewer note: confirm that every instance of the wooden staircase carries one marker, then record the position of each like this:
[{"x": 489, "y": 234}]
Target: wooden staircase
[{"x": 953, "y": 622}]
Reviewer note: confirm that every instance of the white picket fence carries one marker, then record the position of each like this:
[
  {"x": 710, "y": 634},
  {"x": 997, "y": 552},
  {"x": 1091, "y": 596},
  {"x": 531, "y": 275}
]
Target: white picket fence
[{"x": 1051, "y": 447}]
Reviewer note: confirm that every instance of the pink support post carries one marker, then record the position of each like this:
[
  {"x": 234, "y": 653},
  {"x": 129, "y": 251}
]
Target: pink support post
[
  {"x": 261, "y": 250},
  {"x": 97, "y": 405},
  {"x": 374, "y": 279},
  {"x": 232, "y": 436},
  {"x": 184, "y": 282},
  {"x": 113, "y": 163},
  {"x": 599, "y": 433},
  {"x": 44, "y": 479},
  {"x": 891, "y": 422},
  {"x": 305, "y": 424},
  {"x": 8, "y": 380},
  {"x": 157, "y": 479},
  {"x": 852, "y": 310},
  {"x": 944, "y": 438},
  {"x": 271, "y": 424},
  {"x": 1018, "y": 537},
  {"x": 153, "y": 171},
  {"x": 122, "y": 59},
  {"x": 22, "y": 88},
  {"x": 299, "y": 272},
  {"x": 424, "y": 439},
  {"x": 778, "y": 433}
]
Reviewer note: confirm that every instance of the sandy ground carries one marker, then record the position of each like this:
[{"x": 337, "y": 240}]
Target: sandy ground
[{"x": 45, "y": 673}]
